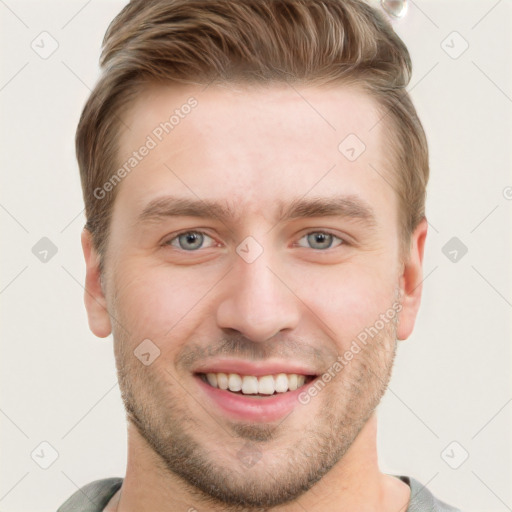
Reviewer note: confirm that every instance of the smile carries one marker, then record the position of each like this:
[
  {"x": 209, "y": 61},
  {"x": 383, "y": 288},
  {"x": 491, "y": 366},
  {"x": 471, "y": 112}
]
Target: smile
[
  {"x": 264, "y": 398},
  {"x": 265, "y": 385}
]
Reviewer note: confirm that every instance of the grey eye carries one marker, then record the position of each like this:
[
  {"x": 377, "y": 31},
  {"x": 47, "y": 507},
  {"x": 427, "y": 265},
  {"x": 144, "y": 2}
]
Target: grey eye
[
  {"x": 320, "y": 240},
  {"x": 191, "y": 240},
  {"x": 188, "y": 241}
]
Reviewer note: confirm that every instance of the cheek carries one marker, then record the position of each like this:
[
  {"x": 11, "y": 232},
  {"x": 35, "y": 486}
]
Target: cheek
[
  {"x": 154, "y": 301},
  {"x": 350, "y": 299}
]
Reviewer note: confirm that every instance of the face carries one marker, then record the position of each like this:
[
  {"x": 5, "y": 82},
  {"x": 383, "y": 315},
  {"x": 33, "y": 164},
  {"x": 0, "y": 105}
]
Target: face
[{"x": 249, "y": 250}]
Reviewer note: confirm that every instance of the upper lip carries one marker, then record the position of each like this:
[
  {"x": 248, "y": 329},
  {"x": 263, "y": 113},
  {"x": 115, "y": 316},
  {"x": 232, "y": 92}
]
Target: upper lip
[{"x": 257, "y": 369}]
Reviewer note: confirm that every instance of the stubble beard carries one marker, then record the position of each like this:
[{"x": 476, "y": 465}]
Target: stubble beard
[{"x": 163, "y": 413}]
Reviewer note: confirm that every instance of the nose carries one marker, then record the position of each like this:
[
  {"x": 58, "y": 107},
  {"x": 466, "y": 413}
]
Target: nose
[{"x": 258, "y": 300}]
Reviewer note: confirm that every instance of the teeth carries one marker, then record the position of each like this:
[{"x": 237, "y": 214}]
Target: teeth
[
  {"x": 251, "y": 385},
  {"x": 234, "y": 382},
  {"x": 222, "y": 380},
  {"x": 281, "y": 382},
  {"x": 266, "y": 385},
  {"x": 212, "y": 379}
]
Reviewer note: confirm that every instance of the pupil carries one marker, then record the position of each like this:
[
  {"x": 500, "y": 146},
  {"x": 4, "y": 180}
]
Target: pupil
[
  {"x": 323, "y": 239},
  {"x": 191, "y": 240}
]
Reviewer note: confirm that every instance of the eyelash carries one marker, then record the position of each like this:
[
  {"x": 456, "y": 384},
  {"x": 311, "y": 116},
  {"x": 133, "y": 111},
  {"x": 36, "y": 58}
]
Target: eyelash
[{"x": 325, "y": 232}]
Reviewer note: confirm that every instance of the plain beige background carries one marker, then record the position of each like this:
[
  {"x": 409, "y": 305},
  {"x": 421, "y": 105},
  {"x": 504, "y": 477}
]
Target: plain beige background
[{"x": 451, "y": 391}]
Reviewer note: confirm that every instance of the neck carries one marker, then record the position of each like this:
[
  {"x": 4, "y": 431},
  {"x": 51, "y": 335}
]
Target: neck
[{"x": 354, "y": 483}]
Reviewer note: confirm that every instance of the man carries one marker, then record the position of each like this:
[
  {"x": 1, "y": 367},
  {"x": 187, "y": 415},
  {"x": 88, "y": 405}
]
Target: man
[{"x": 254, "y": 176}]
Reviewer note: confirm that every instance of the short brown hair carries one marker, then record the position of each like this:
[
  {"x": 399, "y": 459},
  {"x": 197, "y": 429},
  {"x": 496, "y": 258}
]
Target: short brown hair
[{"x": 264, "y": 41}]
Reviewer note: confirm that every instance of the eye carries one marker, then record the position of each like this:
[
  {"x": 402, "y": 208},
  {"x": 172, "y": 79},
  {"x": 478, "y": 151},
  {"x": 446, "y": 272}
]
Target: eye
[
  {"x": 320, "y": 240},
  {"x": 189, "y": 240}
]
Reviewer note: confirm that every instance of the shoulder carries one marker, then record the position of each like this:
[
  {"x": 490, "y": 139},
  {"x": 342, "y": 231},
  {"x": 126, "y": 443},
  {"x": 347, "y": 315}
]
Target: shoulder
[
  {"x": 92, "y": 497},
  {"x": 422, "y": 500}
]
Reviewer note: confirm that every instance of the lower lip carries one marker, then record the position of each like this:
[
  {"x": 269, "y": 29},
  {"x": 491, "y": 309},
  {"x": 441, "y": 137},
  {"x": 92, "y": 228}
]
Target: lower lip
[{"x": 252, "y": 408}]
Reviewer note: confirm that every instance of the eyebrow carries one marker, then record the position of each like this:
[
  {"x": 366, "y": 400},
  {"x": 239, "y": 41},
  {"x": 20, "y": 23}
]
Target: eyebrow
[{"x": 347, "y": 206}]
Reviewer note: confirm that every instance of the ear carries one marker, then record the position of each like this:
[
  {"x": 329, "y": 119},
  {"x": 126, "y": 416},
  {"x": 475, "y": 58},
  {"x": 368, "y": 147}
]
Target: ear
[
  {"x": 411, "y": 281},
  {"x": 94, "y": 298}
]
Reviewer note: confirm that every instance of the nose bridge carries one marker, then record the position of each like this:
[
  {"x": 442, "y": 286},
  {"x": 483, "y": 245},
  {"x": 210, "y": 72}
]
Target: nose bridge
[{"x": 257, "y": 304}]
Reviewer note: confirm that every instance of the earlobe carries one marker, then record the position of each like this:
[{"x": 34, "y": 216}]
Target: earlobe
[
  {"x": 411, "y": 282},
  {"x": 94, "y": 297}
]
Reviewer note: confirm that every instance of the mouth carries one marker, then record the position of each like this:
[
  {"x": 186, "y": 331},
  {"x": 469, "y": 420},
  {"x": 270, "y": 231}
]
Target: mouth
[
  {"x": 254, "y": 392},
  {"x": 256, "y": 386},
  {"x": 263, "y": 398}
]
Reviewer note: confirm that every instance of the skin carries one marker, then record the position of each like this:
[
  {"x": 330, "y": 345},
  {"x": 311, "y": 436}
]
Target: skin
[{"x": 251, "y": 147}]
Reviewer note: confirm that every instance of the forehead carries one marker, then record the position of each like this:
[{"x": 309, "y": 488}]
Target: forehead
[{"x": 252, "y": 147}]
